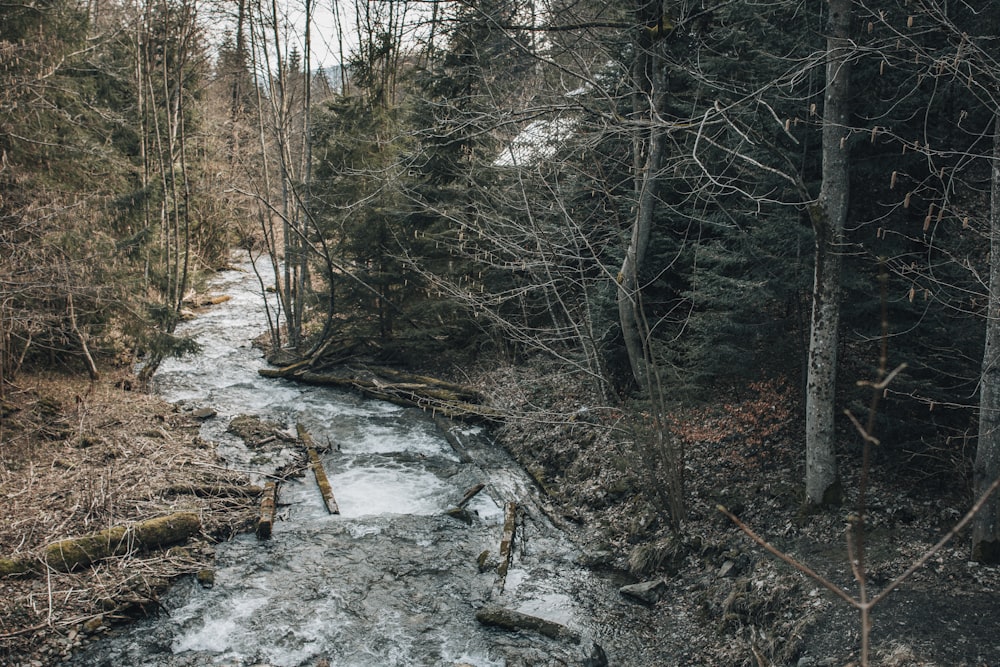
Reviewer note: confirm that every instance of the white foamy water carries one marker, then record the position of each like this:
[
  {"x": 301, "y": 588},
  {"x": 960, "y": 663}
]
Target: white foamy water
[{"x": 389, "y": 581}]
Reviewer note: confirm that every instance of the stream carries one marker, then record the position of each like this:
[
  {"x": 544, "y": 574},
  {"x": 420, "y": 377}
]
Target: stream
[{"x": 391, "y": 580}]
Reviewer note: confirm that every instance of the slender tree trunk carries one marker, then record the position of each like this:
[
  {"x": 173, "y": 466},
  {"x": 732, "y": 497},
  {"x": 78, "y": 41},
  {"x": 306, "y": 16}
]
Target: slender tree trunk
[
  {"x": 986, "y": 525},
  {"x": 828, "y": 216},
  {"x": 648, "y": 150}
]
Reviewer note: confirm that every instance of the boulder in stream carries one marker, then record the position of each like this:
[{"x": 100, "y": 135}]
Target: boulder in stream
[
  {"x": 203, "y": 413},
  {"x": 508, "y": 619},
  {"x": 647, "y": 592}
]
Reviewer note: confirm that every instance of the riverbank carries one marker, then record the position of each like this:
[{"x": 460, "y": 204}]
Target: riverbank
[
  {"x": 80, "y": 457},
  {"x": 721, "y": 600}
]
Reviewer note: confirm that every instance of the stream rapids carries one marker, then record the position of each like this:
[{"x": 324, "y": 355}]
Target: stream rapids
[{"x": 391, "y": 580}]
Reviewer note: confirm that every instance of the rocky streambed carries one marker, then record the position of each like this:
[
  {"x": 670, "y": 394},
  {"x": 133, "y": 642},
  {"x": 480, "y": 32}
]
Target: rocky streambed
[{"x": 401, "y": 575}]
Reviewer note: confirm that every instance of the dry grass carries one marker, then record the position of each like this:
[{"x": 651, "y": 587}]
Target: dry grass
[{"x": 76, "y": 458}]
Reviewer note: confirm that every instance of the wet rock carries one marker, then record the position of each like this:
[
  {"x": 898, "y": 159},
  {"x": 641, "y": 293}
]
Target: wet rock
[
  {"x": 203, "y": 413},
  {"x": 508, "y": 619},
  {"x": 206, "y": 578},
  {"x": 646, "y": 592},
  {"x": 597, "y": 657},
  {"x": 601, "y": 558},
  {"x": 461, "y": 514},
  {"x": 549, "y": 654},
  {"x": 94, "y": 624},
  {"x": 487, "y": 561},
  {"x": 810, "y": 661},
  {"x": 256, "y": 432}
]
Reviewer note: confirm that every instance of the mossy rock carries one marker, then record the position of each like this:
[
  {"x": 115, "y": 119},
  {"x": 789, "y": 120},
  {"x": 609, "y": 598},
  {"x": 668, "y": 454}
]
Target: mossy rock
[{"x": 253, "y": 430}]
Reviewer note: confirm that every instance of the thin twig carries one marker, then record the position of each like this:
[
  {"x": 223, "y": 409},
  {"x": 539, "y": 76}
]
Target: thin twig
[
  {"x": 956, "y": 529},
  {"x": 240, "y": 470},
  {"x": 774, "y": 551}
]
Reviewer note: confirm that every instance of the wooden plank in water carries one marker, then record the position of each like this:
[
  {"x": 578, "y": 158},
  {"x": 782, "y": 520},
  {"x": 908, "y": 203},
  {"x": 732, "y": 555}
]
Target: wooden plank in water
[
  {"x": 323, "y": 483},
  {"x": 506, "y": 544},
  {"x": 267, "y": 510},
  {"x": 317, "y": 465}
]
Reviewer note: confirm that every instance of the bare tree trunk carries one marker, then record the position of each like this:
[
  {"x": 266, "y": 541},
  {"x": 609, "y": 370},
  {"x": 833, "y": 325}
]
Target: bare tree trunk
[
  {"x": 828, "y": 216},
  {"x": 648, "y": 150},
  {"x": 986, "y": 525}
]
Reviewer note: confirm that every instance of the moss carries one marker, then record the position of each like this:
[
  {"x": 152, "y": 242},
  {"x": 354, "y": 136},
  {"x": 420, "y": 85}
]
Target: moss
[
  {"x": 12, "y": 567},
  {"x": 206, "y": 578},
  {"x": 77, "y": 552}
]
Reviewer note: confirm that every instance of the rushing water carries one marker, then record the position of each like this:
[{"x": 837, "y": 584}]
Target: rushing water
[{"x": 391, "y": 580}]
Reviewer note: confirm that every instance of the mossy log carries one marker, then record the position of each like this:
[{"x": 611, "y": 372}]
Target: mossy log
[
  {"x": 15, "y": 567},
  {"x": 78, "y": 552},
  {"x": 466, "y": 393},
  {"x": 508, "y": 619},
  {"x": 438, "y": 396},
  {"x": 204, "y": 301}
]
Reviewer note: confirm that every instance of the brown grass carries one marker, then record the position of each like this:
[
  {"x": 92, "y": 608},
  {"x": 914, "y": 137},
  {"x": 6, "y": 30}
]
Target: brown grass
[{"x": 77, "y": 458}]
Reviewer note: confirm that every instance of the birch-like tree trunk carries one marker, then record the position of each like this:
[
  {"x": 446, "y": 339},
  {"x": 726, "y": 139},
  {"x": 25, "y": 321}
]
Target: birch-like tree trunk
[
  {"x": 648, "y": 151},
  {"x": 828, "y": 215},
  {"x": 986, "y": 526}
]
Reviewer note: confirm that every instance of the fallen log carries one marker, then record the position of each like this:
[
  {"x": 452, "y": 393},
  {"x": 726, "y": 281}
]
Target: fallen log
[
  {"x": 439, "y": 397},
  {"x": 506, "y": 545},
  {"x": 78, "y": 552},
  {"x": 508, "y": 619},
  {"x": 268, "y": 507},
  {"x": 466, "y": 393},
  {"x": 15, "y": 567},
  {"x": 285, "y": 371},
  {"x": 453, "y": 439},
  {"x": 470, "y": 494},
  {"x": 317, "y": 465}
]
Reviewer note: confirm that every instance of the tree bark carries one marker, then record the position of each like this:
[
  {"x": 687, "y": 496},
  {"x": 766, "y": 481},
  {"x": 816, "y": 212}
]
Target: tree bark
[
  {"x": 648, "y": 150},
  {"x": 986, "y": 525},
  {"x": 268, "y": 508},
  {"x": 78, "y": 552},
  {"x": 828, "y": 216}
]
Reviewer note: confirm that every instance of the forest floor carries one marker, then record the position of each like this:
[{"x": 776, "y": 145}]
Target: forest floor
[
  {"x": 726, "y": 601},
  {"x": 79, "y": 457}
]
